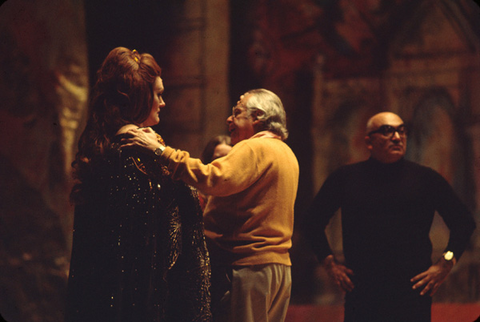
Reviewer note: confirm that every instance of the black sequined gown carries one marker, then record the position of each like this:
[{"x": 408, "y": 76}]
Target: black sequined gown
[{"x": 139, "y": 249}]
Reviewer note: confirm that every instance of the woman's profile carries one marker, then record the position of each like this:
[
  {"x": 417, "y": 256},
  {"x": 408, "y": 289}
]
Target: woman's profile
[{"x": 138, "y": 249}]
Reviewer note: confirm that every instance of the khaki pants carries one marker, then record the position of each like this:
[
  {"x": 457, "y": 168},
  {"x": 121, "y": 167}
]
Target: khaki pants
[{"x": 259, "y": 293}]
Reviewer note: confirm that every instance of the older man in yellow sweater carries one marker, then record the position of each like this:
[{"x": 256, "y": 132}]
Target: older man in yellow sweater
[{"x": 249, "y": 216}]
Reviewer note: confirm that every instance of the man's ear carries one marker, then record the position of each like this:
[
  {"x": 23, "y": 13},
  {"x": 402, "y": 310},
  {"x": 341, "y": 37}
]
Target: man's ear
[
  {"x": 255, "y": 114},
  {"x": 257, "y": 125},
  {"x": 368, "y": 142},
  {"x": 256, "y": 121}
]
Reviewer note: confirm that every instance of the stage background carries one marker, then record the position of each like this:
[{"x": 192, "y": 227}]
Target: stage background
[{"x": 334, "y": 63}]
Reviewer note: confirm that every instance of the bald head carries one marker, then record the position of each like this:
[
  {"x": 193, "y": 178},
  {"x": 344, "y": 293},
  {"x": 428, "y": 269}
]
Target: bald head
[
  {"x": 383, "y": 118},
  {"x": 386, "y": 139}
]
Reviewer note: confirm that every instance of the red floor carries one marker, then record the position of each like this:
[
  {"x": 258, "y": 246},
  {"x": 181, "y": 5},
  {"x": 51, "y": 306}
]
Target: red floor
[{"x": 440, "y": 313}]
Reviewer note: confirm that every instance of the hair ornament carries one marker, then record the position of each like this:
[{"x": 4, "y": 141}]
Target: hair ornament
[{"x": 135, "y": 53}]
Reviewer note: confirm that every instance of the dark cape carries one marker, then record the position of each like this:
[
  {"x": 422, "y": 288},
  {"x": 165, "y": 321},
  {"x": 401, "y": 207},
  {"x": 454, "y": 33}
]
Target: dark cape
[{"x": 139, "y": 251}]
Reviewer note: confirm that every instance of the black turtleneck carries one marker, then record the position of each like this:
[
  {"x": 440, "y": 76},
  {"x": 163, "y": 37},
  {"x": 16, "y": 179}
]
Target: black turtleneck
[{"x": 387, "y": 212}]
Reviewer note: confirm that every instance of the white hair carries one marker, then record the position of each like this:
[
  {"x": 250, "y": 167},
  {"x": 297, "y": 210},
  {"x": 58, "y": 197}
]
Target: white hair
[{"x": 273, "y": 118}]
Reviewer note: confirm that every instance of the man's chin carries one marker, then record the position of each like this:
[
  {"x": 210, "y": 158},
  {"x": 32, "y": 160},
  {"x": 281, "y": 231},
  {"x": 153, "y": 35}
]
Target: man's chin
[
  {"x": 396, "y": 155},
  {"x": 391, "y": 157}
]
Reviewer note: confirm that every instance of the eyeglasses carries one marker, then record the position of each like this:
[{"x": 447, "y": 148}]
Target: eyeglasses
[
  {"x": 236, "y": 111},
  {"x": 389, "y": 131},
  {"x": 255, "y": 111}
]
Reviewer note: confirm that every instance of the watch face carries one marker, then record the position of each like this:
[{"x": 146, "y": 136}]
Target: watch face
[{"x": 448, "y": 256}]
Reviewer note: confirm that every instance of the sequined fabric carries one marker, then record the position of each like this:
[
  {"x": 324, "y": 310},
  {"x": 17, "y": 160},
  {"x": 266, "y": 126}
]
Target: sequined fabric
[{"x": 139, "y": 249}]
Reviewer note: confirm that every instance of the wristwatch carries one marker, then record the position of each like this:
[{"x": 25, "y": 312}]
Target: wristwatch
[
  {"x": 158, "y": 151},
  {"x": 448, "y": 256}
]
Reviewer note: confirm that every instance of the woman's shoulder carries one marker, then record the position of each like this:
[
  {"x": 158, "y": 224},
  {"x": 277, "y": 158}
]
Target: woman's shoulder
[
  {"x": 126, "y": 159},
  {"x": 125, "y": 128}
]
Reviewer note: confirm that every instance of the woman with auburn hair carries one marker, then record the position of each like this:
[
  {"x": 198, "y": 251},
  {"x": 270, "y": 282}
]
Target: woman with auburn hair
[{"x": 139, "y": 250}]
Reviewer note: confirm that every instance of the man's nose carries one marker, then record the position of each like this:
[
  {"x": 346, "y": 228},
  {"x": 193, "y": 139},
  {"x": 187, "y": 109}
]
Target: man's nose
[
  {"x": 396, "y": 136},
  {"x": 230, "y": 119}
]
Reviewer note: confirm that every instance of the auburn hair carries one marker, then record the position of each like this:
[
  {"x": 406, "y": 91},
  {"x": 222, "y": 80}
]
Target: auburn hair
[{"x": 122, "y": 94}]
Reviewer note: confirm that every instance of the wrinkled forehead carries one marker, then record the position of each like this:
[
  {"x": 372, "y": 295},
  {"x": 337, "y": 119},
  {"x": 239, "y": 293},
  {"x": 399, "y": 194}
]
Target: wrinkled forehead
[
  {"x": 244, "y": 99},
  {"x": 241, "y": 104}
]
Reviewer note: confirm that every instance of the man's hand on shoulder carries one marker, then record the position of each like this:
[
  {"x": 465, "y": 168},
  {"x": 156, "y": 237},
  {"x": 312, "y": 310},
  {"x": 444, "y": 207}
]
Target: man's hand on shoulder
[{"x": 143, "y": 139}]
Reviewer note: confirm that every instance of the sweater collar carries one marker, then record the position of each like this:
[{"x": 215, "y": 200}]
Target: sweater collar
[{"x": 266, "y": 134}]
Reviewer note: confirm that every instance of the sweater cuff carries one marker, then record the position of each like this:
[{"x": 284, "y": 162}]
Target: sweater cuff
[{"x": 166, "y": 154}]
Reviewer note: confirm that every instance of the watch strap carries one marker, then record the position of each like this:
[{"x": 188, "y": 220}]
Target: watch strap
[{"x": 158, "y": 151}]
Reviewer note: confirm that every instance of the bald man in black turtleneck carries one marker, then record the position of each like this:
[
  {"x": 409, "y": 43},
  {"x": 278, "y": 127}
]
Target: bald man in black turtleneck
[{"x": 388, "y": 205}]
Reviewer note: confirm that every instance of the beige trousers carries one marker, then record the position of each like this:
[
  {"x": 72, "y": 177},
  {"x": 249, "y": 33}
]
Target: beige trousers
[{"x": 259, "y": 293}]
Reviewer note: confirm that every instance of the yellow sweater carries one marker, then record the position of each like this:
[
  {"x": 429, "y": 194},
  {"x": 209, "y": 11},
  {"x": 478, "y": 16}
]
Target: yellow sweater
[{"x": 249, "y": 216}]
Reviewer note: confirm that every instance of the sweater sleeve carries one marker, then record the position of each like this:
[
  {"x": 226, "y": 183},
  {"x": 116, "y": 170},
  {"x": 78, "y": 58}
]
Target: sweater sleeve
[
  {"x": 225, "y": 176},
  {"x": 323, "y": 208},
  {"x": 455, "y": 214}
]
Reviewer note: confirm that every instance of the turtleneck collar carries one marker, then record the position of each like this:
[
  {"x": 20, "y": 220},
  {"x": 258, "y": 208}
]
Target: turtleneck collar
[{"x": 386, "y": 166}]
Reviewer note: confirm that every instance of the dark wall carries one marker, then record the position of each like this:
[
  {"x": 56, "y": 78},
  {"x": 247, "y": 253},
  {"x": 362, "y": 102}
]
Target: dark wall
[{"x": 142, "y": 25}]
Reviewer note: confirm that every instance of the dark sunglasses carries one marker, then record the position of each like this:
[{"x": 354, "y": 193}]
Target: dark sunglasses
[{"x": 389, "y": 131}]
